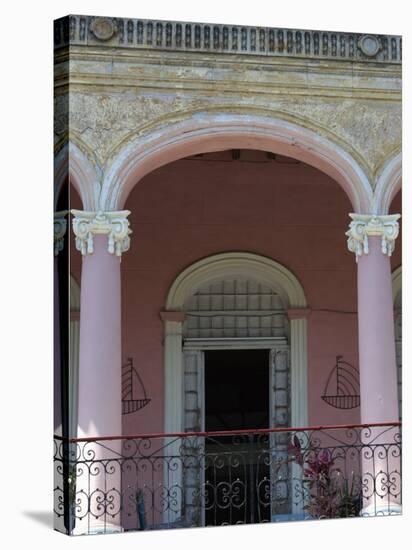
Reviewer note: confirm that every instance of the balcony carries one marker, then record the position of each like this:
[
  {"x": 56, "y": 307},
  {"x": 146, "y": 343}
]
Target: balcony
[{"x": 164, "y": 481}]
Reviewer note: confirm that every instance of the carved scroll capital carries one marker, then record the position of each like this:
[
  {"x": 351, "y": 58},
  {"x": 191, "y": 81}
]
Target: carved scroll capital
[
  {"x": 59, "y": 230},
  {"x": 363, "y": 226},
  {"x": 113, "y": 224}
]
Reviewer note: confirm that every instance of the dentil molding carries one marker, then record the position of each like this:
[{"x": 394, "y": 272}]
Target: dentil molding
[
  {"x": 113, "y": 224},
  {"x": 363, "y": 226},
  {"x": 59, "y": 230}
]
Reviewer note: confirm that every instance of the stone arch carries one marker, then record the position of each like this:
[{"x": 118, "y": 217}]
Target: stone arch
[
  {"x": 388, "y": 184},
  {"x": 218, "y": 266},
  {"x": 230, "y": 264},
  {"x": 203, "y": 132},
  {"x": 71, "y": 161}
]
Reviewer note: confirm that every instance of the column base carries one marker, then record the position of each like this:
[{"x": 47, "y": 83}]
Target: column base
[
  {"x": 391, "y": 509},
  {"x": 97, "y": 528},
  {"x": 105, "y": 529}
]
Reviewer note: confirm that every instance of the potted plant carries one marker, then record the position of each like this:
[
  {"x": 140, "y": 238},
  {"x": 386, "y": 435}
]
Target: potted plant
[{"x": 330, "y": 493}]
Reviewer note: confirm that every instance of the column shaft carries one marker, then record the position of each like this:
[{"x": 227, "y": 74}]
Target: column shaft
[
  {"x": 299, "y": 375},
  {"x": 380, "y": 458},
  {"x": 377, "y": 359},
  {"x": 172, "y": 472},
  {"x": 100, "y": 343}
]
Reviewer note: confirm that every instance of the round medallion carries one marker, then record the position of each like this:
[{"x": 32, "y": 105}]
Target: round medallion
[
  {"x": 103, "y": 28},
  {"x": 369, "y": 45}
]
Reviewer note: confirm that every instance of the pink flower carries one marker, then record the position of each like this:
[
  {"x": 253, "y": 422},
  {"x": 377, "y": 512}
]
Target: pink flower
[{"x": 325, "y": 456}]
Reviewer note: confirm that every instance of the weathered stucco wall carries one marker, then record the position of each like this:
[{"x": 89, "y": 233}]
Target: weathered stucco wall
[
  {"x": 120, "y": 90},
  {"x": 103, "y": 121}
]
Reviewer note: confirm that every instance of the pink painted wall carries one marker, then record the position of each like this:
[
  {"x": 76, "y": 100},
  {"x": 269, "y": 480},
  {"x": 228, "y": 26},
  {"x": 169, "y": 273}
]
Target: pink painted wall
[{"x": 194, "y": 208}]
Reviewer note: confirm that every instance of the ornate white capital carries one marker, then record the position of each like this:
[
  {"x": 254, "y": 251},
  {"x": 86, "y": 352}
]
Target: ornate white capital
[
  {"x": 59, "y": 230},
  {"x": 113, "y": 224},
  {"x": 364, "y": 225}
]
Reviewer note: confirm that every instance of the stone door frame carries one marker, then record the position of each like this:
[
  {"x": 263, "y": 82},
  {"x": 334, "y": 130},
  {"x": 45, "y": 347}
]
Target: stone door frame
[{"x": 193, "y": 354}]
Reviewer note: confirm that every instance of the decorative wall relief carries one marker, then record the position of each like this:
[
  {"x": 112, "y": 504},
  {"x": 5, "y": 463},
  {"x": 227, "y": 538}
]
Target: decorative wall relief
[
  {"x": 342, "y": 389},
  {"x": 134, "y": 395}
]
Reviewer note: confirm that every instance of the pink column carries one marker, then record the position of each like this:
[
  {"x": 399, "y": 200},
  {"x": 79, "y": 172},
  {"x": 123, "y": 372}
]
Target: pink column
[
  {"x": 101, "y": 237},
  {"x": 372, "y": 238},
  {"x": 100, "y": 343},
  {"x": 377, "y": 358}
]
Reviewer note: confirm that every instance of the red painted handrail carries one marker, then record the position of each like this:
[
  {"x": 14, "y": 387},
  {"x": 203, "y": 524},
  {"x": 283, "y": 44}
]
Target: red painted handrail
[{"x": 227, "y": 432}]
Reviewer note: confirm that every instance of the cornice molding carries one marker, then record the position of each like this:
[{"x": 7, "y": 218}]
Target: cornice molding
[
  {"x": 225, "y": 39},
  {"x": 113, "y": 224},
  {"x": 363, "y": 226}
]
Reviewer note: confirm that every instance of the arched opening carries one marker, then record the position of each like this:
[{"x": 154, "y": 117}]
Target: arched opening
[
  {"x": 234, "y": 333},
  {"x": 248, "y": 216},
  {"x": 271, "y": 206}
]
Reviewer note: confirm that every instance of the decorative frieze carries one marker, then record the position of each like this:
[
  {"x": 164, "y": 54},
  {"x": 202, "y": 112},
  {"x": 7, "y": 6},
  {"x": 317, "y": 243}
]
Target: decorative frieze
[
  {"x": 363, "y": 226},
  {"x": 113, "y": 224},
  {"x": 235, "y": 39},
  {"x": 59, "y": 230}
]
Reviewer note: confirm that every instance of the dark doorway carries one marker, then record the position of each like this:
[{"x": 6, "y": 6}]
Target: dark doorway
[{"x": 237, "y": 476}]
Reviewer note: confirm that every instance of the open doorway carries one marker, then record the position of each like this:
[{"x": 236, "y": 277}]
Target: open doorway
[{"x": 237, "y": 475}]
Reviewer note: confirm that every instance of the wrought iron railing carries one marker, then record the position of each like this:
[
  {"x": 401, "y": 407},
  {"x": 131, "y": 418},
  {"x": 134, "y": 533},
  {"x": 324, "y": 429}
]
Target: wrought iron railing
[{"x": 218, "y": 478}]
